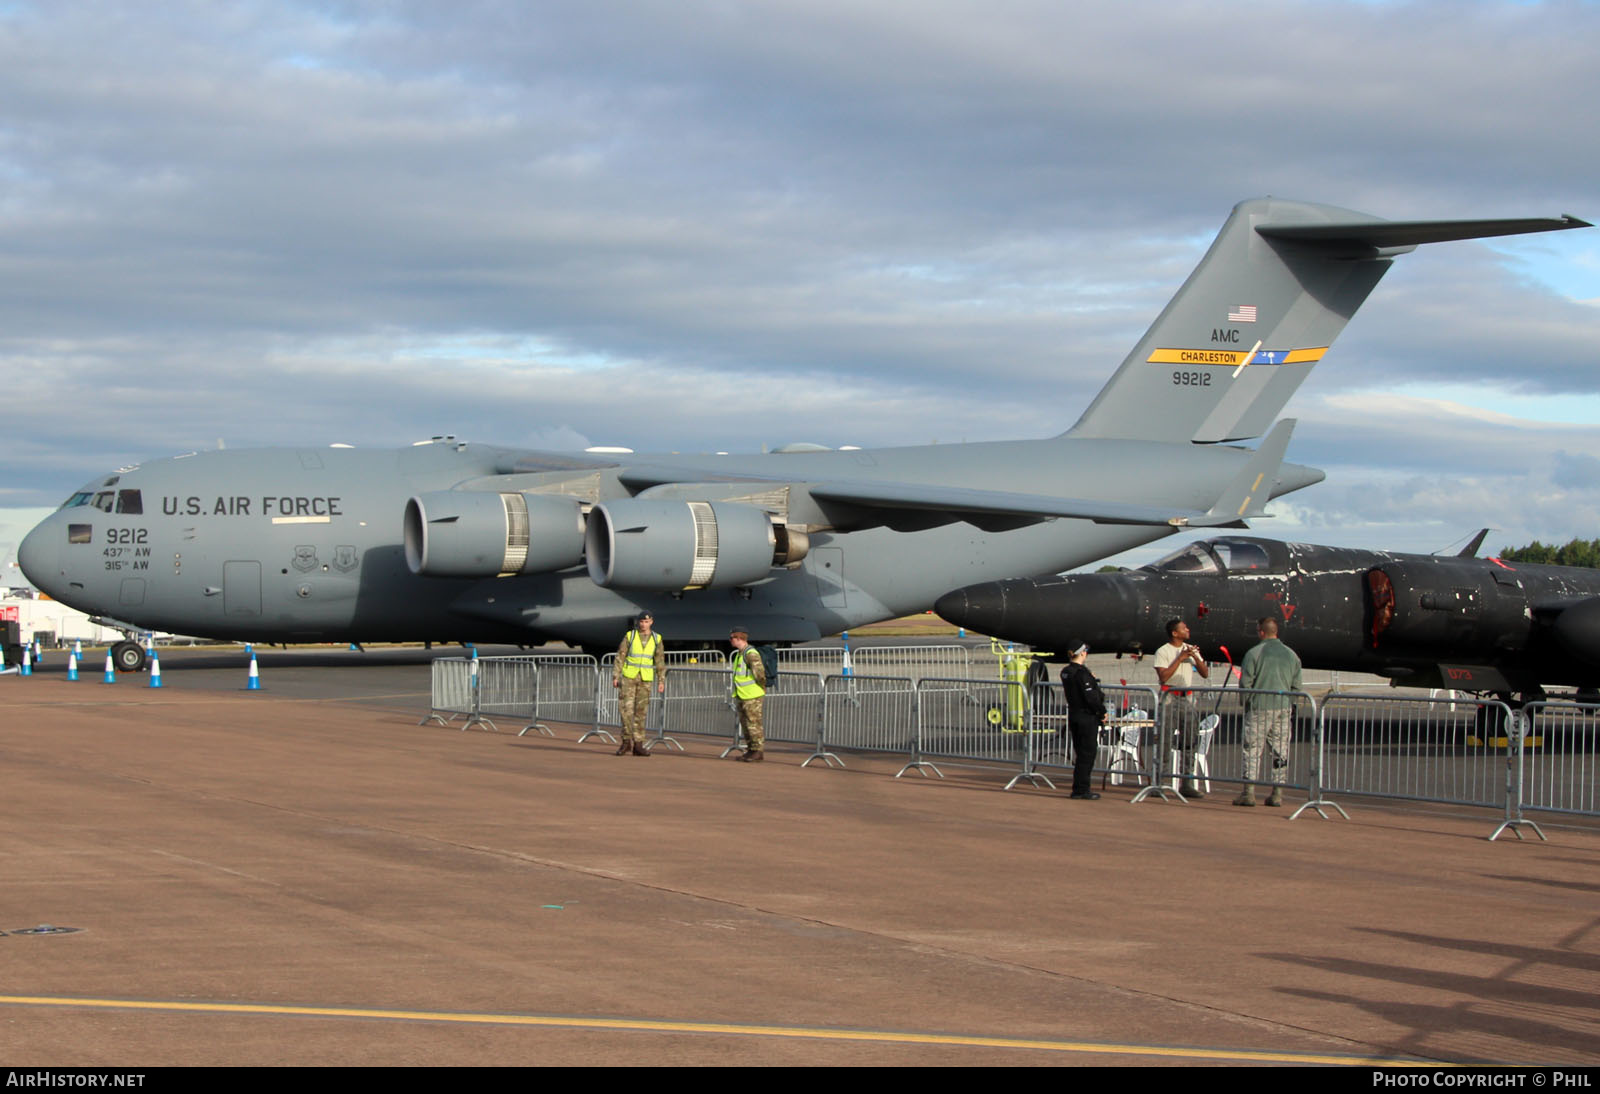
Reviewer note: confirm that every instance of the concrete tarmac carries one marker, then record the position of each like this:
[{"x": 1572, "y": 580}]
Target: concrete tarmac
[{"x": 305, "y": 876}]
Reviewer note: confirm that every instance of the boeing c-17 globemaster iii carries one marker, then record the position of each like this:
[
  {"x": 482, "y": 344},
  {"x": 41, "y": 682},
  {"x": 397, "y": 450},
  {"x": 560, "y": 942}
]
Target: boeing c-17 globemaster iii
[{"x": 450, "y": 541}]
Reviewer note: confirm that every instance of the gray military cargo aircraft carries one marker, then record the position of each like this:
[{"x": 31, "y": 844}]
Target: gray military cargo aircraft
[
  {"x": 449, "y": 541},
  {"x": 1469, "y": 624}
]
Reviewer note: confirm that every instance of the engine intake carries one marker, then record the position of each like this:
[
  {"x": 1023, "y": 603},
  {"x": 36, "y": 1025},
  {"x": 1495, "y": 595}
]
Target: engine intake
[
  {"x": 478, "y": 533},
  {"x": 640, "y": 543}
]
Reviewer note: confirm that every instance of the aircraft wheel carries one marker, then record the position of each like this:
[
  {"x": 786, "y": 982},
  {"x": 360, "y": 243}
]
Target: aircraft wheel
[{"x": 128, "y": 657}]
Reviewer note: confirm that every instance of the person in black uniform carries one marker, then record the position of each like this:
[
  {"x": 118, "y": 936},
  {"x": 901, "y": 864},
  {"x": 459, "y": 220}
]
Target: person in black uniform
[{"x": 1086, "y": 710}]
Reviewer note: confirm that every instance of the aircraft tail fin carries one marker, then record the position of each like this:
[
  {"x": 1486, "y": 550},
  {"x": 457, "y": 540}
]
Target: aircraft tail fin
[
  {"x": 1277, "y": 286},
  {"x": 1471, "y": 549}
]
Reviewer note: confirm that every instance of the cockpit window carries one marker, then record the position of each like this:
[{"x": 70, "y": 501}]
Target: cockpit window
[
  {"x": 130, "y": 501},
  {"x": 1239, "y": 554},
  {"x": 1193, "y": 559},
  {"x": 80, "y": 498},
  {"x": 80, "y": 533},
  {"x": 103, "y": 501}
]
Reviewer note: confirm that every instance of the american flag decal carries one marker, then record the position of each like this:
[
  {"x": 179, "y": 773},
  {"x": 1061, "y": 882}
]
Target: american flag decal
[{"x": 1244, "y": 313}]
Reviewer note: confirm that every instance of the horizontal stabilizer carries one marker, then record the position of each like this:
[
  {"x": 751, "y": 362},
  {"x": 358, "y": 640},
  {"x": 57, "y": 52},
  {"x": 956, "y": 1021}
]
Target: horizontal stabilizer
[
  {"x": 1264, "y": 305},
  {"x": 1389, "y": 234}
]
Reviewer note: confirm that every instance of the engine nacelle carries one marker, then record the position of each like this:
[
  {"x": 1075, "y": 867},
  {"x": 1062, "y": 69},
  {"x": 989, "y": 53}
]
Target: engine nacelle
[
  {"x": 481, "y": 533},
  {"x": 1578, "y": 628},
  {"x": 640, "y": 543}
]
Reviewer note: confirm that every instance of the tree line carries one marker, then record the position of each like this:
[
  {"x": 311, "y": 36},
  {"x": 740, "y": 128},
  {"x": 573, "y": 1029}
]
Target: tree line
[{"x": 1579, "y": 552}]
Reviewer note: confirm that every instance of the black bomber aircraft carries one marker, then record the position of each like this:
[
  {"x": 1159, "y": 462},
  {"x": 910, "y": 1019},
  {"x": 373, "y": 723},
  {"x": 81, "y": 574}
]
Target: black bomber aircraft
[{"x": 1459, "y": 622}]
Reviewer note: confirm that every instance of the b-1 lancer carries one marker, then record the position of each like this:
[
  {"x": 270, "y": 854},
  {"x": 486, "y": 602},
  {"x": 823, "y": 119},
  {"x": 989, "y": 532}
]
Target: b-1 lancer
[
  {"x": 1458, "y": 622},
  {"x": 449, "y": 541}
]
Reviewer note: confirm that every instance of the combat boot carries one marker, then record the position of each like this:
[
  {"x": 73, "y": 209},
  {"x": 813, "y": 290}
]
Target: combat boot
[
  {"x": 754, "y": 756},
  {"x": 1276, "y": 797},
  {"x": 625, "y": 747},
  {"x": 1247, "y": 796},
  {"x": 639, "y": 749},
  {"x": 1190, "y": 790}
]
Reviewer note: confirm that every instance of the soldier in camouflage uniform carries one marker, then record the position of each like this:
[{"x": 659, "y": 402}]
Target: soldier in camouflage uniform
[
  {"x": 1273, "y": 667},
  {"x": 749, "y": 691},
  {"x": 641, "y": 662}
]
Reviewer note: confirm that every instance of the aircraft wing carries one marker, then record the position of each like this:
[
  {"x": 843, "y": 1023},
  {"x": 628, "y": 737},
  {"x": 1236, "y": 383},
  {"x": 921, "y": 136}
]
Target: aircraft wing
[
  {"x": 960, "y": 502},
  {"x": 924, "y": 505}
]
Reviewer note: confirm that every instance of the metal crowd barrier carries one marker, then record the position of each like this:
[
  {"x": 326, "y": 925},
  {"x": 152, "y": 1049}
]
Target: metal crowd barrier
[
  {"x": 607, "y": 715},
  {"x": 1126, "y": 745},
  {"x": 980, "y": 720},
  {"x": 452, "y": 693},
  {"x": 1453, "y": 751},
  {"x": 1560, "y": 763},
  {"x": 1416, "y": 749},
  {"x": 566, "y": 685},
  {"x": 895, "y": 661},
  {"x": 700, "y": 701},
  {"x": 1219, "y": 715},
  {"x": 915, "y": 662},
  {"x": 507, "y": 687},
  {"x": 868, "y": 714}
]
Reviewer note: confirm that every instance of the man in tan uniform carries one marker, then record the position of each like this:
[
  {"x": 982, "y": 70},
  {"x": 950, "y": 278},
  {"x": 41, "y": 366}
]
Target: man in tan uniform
[{"x": 641, "y": 663}]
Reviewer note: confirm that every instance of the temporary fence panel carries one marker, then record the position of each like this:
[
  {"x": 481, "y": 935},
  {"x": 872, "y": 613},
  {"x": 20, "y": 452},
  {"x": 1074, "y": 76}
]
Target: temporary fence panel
[
  {"x": 914, "y": 662},
  {"x": 823, "y": 660},
  {"x": 869, "y": 713},
  {"x": 567, "y": 685},
  {"x": 450, "y": 692},
  {"x": 507, "y": 687},
  {"x": 793, "y": 708},
  {"x": 1417, "y": 749},
  {"x": 709, "y": 659},
  {"x": 1125, "y": 742},
  {"x": 1219, "y": 755},
  {"x": 1560, "y": 767},
  {"x": 973, "y": 719},
  {"x": 699, "y": 701}
]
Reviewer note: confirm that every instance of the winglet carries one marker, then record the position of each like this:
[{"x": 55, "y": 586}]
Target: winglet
[{"x": 1250, "y": 490}]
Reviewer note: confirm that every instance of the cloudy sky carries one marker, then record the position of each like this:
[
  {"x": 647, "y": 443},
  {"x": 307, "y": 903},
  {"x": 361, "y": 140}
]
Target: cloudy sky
[{"x": 882, "y": 222}]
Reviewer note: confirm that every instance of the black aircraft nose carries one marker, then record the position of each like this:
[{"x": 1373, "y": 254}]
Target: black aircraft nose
[
  {"x": 979, "y": 608},
  {"x": 1104, "y": 610}
]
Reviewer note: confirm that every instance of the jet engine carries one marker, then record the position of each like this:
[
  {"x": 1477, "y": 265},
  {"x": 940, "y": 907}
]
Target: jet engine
[
  {"x": 1578, "y": 628},
  {"x": 478, "y": 533},
  {"x": 641, "y": 543}
]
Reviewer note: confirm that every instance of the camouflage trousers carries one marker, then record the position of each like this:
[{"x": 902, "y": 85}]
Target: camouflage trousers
[
  {"x": 1180, "y": 724},
  {"x": 633, "y": 706},
  {"x": 1272, "y": 728},
  {"x": 750, "y": 724}
]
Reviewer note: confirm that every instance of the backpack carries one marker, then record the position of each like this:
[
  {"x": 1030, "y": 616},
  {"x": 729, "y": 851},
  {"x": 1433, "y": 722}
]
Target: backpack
[{"x": 769, "y": 662}]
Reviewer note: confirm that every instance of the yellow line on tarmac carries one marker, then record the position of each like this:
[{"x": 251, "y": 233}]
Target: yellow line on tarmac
[{"x": 654, "y": 1026}]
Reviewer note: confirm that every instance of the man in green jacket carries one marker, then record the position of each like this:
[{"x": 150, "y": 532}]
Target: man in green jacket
[{"x": 1269, "y": 666}]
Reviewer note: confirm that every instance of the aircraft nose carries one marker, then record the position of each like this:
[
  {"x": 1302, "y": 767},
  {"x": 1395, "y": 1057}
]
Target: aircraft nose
[
  {"x": 979, "y": 608},
  {"x": 39, "y": 555}
]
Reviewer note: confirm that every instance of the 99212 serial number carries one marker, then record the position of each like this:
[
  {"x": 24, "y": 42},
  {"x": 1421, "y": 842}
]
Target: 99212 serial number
[{"x": 1191, "y": 379}]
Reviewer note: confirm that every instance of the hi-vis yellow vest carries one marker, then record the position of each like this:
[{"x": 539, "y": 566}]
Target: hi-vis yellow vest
[
  {"x": 641, "y": 662},
  {"x": 744, "y": 681}
]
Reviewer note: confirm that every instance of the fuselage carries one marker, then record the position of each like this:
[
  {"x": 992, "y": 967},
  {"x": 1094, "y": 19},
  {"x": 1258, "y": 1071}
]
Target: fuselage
[
  {"x": 1474, "y": 624},
  {"x": 306, "y": 544}
]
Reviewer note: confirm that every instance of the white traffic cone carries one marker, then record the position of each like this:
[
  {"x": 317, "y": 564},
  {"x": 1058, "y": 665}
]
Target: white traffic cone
[
  {"x": 72, "y": 665},
  {"x": 27, "y": 663},
  {"x": 111, "y": 672},
  {"x": 155, "y": 668},
  {"x": 254, "y": 683}
]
